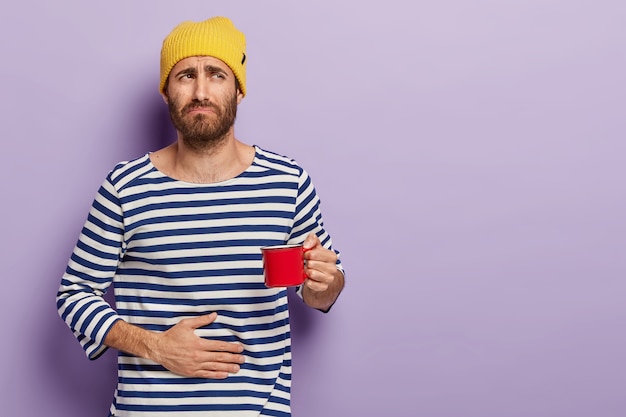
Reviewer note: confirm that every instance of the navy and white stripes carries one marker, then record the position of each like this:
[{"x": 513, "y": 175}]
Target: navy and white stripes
[{"x": 174, "y": 250}]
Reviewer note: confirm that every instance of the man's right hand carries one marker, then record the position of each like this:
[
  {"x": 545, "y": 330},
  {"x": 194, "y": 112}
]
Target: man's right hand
[{"x": 179, "y": 349}]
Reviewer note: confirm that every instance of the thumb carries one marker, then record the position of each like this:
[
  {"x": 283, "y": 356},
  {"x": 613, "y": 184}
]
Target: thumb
[
  {"x": 200, "y": 321},
  {"x": 311, "y": 241}
]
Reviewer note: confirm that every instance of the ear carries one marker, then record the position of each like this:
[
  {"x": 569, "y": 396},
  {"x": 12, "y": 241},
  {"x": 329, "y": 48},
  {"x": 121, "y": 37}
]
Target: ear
[
  {"x": 165, "y": 98},
  {"x": 239, "y": 96}
]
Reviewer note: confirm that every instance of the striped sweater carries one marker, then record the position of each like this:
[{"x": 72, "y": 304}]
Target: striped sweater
[{"x": 173, "y": 250}]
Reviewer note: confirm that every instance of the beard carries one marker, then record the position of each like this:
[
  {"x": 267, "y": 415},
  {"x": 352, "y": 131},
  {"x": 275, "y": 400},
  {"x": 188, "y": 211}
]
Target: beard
[{"x": 202, "y": 132}]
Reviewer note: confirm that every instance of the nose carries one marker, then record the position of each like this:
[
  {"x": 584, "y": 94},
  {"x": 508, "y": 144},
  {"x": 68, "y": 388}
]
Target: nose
[{"x": 201, "y": 90}]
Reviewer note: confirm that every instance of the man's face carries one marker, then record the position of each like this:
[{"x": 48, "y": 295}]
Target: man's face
[{"x": 202, "y": 100}]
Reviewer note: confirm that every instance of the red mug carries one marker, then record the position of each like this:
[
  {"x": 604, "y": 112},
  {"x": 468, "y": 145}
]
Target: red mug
[{"x": 283, "y": 265}]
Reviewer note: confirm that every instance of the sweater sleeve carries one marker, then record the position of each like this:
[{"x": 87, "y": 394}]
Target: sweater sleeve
[
  {"x": 90, "y": 271},
  {"x": 308, "y": 218}
]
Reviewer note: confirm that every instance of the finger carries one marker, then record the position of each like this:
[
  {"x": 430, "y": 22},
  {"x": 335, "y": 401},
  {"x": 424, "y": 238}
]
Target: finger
[
  {"x": 317, "y": 286},
  {"x": 201, "y": 321},
  {"x": 311, "y": 241},
  {"x": 225, "y": 347},
  {"x": 216, "y": 370},
  {"x": 321, "y": 254},
  {"x": 225, "y": 359},
  {"x": 318, "y": 281},
  {"x": 320, "y": 271},
  {"x": 211, "y": 374},
  {"x": 218, "y": 346},
  {"x": 221, "y": 363}
]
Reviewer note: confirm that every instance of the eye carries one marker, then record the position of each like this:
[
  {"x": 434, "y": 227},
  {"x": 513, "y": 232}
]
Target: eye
[{"x": 218, "y": 75}]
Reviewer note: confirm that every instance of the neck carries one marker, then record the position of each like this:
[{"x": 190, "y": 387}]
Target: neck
[{"x": 223, "y": 160}]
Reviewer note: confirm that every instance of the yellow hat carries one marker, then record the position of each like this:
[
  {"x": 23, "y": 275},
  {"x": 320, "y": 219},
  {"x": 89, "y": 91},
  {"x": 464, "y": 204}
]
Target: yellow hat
[{"x": 216, "y": 37}]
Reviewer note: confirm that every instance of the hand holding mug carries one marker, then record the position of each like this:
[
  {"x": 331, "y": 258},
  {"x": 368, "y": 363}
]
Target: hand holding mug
[{"x": 320, "y": 265}]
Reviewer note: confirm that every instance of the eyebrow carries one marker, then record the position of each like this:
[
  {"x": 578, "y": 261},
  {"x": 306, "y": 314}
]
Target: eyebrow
[
  {"x": 211, "y": 69},
  {"x": 188, "y": 70}
]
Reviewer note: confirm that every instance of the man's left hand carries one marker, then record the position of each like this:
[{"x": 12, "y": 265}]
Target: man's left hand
[{"x": 325, "y": 281}]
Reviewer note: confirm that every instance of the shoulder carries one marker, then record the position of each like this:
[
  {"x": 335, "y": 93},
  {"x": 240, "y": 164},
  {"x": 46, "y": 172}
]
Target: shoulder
[
  {"x": 274, "y": 161},
  {"x": 125, "y": 172}
]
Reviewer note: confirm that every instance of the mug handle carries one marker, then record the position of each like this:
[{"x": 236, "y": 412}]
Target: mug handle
[{"x": 305, "y": 250}]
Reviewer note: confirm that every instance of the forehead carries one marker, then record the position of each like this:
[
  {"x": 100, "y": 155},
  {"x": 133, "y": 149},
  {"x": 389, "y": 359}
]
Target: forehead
[{"x": 200, "y": 62}]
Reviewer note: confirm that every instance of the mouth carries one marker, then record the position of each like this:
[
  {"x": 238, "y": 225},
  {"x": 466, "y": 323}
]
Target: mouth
[{"x": 201, "y": 110}]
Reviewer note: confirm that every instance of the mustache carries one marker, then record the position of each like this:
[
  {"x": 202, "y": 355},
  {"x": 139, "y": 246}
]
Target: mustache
[{"x": 200, "y": 105}]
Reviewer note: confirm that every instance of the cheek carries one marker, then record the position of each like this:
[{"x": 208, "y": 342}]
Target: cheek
[
  {"x": 176, "y": 103},
  {"x": 178, "y": 95}
]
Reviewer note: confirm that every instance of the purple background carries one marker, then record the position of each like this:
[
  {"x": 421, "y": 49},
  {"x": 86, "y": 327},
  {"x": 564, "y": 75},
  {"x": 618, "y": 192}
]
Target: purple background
[{"x": 470, "y": 161}]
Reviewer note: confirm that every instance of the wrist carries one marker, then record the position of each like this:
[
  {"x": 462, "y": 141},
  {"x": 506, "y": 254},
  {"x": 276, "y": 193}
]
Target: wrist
[{"x": 133, "y": 339}]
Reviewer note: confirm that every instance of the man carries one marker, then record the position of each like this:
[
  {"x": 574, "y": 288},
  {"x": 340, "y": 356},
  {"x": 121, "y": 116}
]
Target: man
[{"x": 179, "y": 231}]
